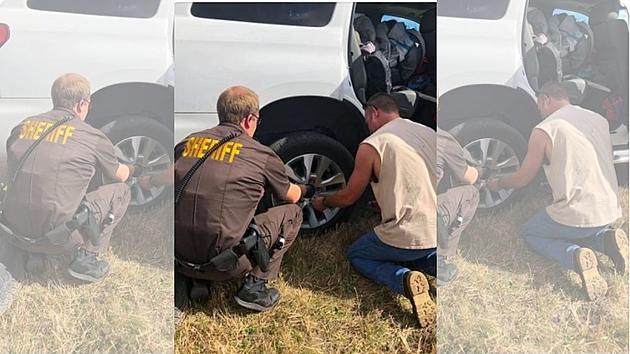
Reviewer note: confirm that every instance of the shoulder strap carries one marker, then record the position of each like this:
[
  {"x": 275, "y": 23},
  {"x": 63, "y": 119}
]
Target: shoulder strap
[
  {"x": 30, "y": 149},
  {"x": 27, "y": 153},
  {"x": 180, "y": 188}
]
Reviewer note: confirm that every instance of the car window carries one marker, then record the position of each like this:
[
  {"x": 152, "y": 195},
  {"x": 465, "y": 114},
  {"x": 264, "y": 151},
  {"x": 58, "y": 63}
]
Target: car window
[
  {"x": 117, "y": 8},
  {"x": 579, "y": 17},
  {"x": 479, "y": 9},
  {"x": 293, "y": 14},
  {"x": 623, "y": 15},
  {"x": 408, "y": 23}
]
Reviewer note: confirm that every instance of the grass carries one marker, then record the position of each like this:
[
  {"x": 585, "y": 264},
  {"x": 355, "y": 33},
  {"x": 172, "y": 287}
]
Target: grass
[
  {"x": 326, "y": 307},
  {"x": 128, "y": 312},
  {"x": 508, "y": 299}
]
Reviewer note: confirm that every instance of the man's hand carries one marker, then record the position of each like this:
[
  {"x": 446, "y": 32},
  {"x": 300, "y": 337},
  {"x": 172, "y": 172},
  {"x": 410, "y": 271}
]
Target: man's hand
[
  {"x": 493, "y": 185},
  {"x": 318, "y": 203},
  {"x": 145, "y": 182}
]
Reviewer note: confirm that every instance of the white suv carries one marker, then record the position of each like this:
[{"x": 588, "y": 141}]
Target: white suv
[
  {"x": 123, "y": 47},
  {"x": 303, "y": 60},
  {"x": 493, "y": 60}
]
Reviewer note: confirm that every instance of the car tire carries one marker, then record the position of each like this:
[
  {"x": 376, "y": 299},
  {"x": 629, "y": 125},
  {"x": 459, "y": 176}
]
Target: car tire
[
  {"x": 124, "y": 128},
  {"x": 298, "y": 145},
  {"x": 473, "y": 131}
]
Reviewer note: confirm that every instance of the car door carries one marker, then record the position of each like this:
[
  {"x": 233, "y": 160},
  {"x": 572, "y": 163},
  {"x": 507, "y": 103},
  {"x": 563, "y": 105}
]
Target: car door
[{"x": 278, "y": 50}]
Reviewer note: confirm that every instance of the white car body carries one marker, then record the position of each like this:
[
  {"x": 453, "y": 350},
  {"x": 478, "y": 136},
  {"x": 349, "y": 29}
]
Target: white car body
[
  {"x": 107, "y": 50},
  {"x": 290, "y": 61},
  {"x": 493, "y": 56}
]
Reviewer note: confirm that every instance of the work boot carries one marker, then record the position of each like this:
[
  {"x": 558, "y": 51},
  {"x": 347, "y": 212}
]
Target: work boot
[
  {"x": 87, "y": 267},
  {"x": 585, "y": 264},
  {"x": 199, "y": 292},
  {"x": 255, "y": 295},
  {"x": 447, "y": 272},
  {"x": 35, "y": 263},
  {"x": 417, "y": 291},
  {"x": 182, "y": 291},
  {"x": 616, "y": 247}
]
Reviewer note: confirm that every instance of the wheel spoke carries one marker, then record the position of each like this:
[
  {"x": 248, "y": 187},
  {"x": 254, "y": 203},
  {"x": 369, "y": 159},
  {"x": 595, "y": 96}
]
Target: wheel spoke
[
  {"x": 488, "y": 197},
  {"x": 483, "y": 145},
  {"x": 512, "y": 161},
  {"x": 135, "y": 146},
  {"x": 308, "y": 165},
  {"x": 339, "y": 178},
  {"x": 139, "y": 193},
  {"x": 312, "y": 218},
  {"x": 498, "y": 149},
  {"x": 322, "y": 166},
  {"x": 293, "y": 175},
  {"x": 121, "y": 155},
  {"x": 160, "y": 160},
  {"x": 147, "y": 148}
]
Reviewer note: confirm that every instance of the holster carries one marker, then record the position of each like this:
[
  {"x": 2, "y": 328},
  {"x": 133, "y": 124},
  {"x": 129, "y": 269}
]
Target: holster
[{"x": 251, "y": 244}]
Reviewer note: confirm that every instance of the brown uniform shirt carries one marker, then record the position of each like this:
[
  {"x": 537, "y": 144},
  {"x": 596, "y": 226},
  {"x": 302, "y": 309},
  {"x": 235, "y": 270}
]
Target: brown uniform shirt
[
  {"x": 221, "y": 198},
  {"x": 56, "y": 175},
  {"x": 450, "y": 157}
]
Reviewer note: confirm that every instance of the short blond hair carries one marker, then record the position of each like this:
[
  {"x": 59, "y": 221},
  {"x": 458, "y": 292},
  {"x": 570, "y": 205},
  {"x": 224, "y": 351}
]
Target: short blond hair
[
  {"x": 236, "y": 103},
  {"x": 68, "y": 90}
]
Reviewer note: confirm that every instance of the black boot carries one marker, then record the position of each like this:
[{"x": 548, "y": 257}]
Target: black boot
[
  {"x": 447, "y": 272},
  {"x": 35, "y": 263},
  {"x": 255, "y": 295},
  {"x": 182, "y": 291},
  {"x": 87, "y": 267},
  {"x": 199, "y": 292}
]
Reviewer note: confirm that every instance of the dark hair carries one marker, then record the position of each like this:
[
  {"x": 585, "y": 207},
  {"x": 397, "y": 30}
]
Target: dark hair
[
  {"x": 554, "y": 90},
  {"x": 383, "y": 102}
]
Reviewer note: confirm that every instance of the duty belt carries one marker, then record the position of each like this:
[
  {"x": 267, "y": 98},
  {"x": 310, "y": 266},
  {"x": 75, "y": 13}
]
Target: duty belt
[{"x": 250, "y": 245}]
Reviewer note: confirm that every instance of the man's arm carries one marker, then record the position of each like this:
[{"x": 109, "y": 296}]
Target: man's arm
[
  {"x": 471, "y": 175},
  {"x": 532, "y": 163},
  {"x": 293, "y": 194},
  {"x": 359, "y": 180},
  {"x": 122, "y": 173}
]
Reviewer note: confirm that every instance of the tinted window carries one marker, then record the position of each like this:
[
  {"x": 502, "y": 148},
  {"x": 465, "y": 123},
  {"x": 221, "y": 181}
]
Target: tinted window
[
  {"x": 294, "y": 14},
  {"x": 579, "y": 17},
  {"x": 623, "y": 15},
  {"x": 118, "y": 8},
  {"x": 408, "y": 23},
  {"x": 480, "y": 9}
]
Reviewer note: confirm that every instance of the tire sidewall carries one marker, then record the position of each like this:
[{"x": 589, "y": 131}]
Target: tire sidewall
[{"x": 127, "y": 126}]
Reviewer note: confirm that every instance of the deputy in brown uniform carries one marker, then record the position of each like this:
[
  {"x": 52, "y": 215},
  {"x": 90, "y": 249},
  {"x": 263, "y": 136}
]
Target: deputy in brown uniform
[
  {"x": 53, "y": 180},
  {"x": 456, "y": 205},
  {"x": 221, "y": 198}
]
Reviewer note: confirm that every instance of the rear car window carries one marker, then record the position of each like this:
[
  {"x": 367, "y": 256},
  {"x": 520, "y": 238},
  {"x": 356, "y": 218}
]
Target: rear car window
[
  {"x": 409, "y": 24},
  {"x": 116, "y": 8},
  {"x": 292, "y": 14},
  {"x": 479, "y": 9},
  {"x": 579, "y": 17}
]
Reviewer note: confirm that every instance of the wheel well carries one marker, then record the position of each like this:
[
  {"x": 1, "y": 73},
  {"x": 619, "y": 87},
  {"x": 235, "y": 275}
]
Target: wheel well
[
  {"x": 513, "y": 106},
  {"x": 152, "y": 101},
  {"x": 339, "y": 120}
]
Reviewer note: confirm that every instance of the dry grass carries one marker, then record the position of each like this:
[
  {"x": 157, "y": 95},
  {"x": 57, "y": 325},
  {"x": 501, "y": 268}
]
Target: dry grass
[
  {"x": 509, "y": 299},
  {"x": 326, "y": 307},
  {"x": 128, "y": 312}
]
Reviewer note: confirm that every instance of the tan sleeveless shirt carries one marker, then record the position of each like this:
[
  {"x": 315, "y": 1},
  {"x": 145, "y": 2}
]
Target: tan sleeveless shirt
[
  {"x": 406, "y": 187},
  {"x": 580, "y": 171}
]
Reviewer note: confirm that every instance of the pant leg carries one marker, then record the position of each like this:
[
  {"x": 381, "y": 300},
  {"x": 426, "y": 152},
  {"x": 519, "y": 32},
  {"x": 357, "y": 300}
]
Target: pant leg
[
  {"x": 458, "y": 201},
  {"x": 557, "y": 242},
  {"x": 284, "y": 220},
  {"x": 113, "y": 197},
  {"x": 382, "y": 263}
]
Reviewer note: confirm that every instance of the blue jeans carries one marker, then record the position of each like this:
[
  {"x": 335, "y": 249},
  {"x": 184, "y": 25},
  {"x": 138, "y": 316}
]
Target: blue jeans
[
  {"x": 387, "y": 265},
  {"x": 558, "y": 242}
]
